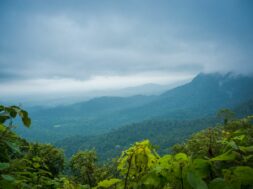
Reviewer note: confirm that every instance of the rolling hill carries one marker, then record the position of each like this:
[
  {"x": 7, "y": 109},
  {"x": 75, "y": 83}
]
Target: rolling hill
[
  {"x": 161, "y": 132},
  {"x": 201, "y": 97}
]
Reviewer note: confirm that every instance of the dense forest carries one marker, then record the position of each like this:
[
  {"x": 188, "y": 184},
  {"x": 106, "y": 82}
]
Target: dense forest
[
  {"x": 198, "y": 99},
  {"x": 160, "y": 132},
  {"x": 220, "y": 156}
]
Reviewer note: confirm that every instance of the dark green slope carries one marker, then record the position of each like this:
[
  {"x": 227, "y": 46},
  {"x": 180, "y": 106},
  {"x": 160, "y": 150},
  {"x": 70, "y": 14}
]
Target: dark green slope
[
  {"x": 244, "y": 109},
  {"x": 163, "y": 133},
  {"x": 201, "y": 97},
  {"x": 87, "y": 118}
]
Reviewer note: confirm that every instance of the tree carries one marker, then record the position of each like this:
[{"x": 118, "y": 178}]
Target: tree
[
  {"x": 226, "y": 114},
  {"x": 83, "y": 167},
  {"x": 10, "y": 143},
  {"x": 135, "y": 162},
  {"x": 51, "y": 157}
]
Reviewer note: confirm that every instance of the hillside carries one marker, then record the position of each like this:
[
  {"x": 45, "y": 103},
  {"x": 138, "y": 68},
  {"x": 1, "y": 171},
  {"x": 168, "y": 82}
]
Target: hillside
[
  {"x": 162, "y": 133},
  {"x": 216, "y": 157},
  {"x": 201, "y": 97}
]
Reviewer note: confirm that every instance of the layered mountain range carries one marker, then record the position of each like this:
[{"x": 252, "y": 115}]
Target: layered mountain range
[{"x": 201, "y": 97}]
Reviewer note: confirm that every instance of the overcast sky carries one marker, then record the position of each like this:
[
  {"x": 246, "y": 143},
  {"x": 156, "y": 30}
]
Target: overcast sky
[{"x": 62, "y": 47}]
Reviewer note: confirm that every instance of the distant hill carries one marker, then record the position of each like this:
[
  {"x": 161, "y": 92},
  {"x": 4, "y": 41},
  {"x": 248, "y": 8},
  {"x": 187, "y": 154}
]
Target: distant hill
[
  {"x": 92, "y": 117},
  {"x": 201, "y": 97},
  {"x": 148, "y": 89},
  {"x": 245, "y": 108},
  {"x": 161, "y": 132}
]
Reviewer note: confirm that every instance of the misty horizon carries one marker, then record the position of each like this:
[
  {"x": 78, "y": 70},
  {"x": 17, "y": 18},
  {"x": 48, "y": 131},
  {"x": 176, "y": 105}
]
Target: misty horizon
[
  {"x": 51, "y": 51},
  {"x": 146, "y": 89}
]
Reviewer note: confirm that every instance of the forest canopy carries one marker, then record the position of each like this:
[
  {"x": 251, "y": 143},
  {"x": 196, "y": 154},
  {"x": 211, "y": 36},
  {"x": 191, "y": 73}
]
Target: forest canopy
[{"x": 216, "y": 157}]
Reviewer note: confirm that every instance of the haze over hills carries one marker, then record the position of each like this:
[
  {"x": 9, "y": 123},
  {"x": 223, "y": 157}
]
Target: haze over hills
[
  {"x": 163, "y": 133},
  {"x": 69, "y": 99},
  {"x": 201, "y": 97}
]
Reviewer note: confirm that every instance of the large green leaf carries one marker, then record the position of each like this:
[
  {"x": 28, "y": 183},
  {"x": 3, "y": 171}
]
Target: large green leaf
[
  {"x": 195, "y": 181},
  {"x": 219, "y": 183},
  {"x": 8, "y": 177},
  {"x": 25, "y": 119},
  {"x": 13, "y": 146},
  {"x": 181, "y": 157},
  {"x": 163, "y": 163},
  {"x": 153, "y": 180},
  {"x": 4, "y": 166},
  {"x": 3, "y": 118},
  {"x": 202, "y": 167},
  {"x": 108, "y": 183},
  {"x": 244, "y": 174},
  {"x": 12, "y": 111},
  {"x": 233, "y": 145},
  {"x": 36, "y": 165},
  {"x": 246, "y": 149},
  {"x": 239, "y": 138},
  {"x": 227, "y": 156}
]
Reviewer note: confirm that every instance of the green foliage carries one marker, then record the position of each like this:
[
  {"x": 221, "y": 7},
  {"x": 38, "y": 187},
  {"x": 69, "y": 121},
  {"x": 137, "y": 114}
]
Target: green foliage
[
  {"x": 195, "y": 181},
  {"x": 4, "y": 166},
  {"x": 161, "y": 132},
  {"x": 226, "y": 115},
  {"x": 83, "y": 167},
  {"x": 52, "y": 158},
  {"x": 108, "y": 183},
  {"x": 9, "y": 113},
  {"x": 24, "y": 165},
  {"x": 10, "y": 144},
  {"x": 220, "y": 157},
  {"x": 227, "y": 156},
  {"x": 136, "y": 162},
  {"x": 219, "y": 183},
  {"x": 216, "y": 158}
]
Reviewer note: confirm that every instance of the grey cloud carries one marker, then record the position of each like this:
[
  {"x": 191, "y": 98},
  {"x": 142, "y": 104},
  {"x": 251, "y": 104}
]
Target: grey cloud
[{"x": 97, "y": 39}]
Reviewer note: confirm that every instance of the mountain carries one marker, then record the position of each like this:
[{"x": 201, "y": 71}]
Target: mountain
[
  {"x": 245, "y": 108},
  {"x": 161, "y": 132},
  {"x": 76, "y": 97},
  {"x": 92, "y": 117},
  {"x": 201, "y": 97},
  {"x": 147, "y": 89}
]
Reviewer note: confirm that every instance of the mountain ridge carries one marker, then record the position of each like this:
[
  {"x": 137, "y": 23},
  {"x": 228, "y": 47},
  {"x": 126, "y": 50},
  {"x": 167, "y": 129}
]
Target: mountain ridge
[{"x": 201, "y": 97}]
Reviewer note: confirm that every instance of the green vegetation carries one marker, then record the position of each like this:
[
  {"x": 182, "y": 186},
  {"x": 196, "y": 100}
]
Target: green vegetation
[
  {"x": 160, "y": 132},
  {"x": 200, "y": 98},
  {"x": 214, "y": 158}
]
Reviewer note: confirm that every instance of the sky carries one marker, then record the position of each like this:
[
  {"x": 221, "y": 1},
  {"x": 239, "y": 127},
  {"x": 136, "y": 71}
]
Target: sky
[{"x": 52, "y": 49}]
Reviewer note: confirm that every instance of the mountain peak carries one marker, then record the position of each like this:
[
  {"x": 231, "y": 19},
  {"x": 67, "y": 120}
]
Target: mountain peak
[{"x": 204, "y": 77}]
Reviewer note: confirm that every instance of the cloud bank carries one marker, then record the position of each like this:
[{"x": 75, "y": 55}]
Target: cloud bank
[{"x": 62, "y": 47}]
